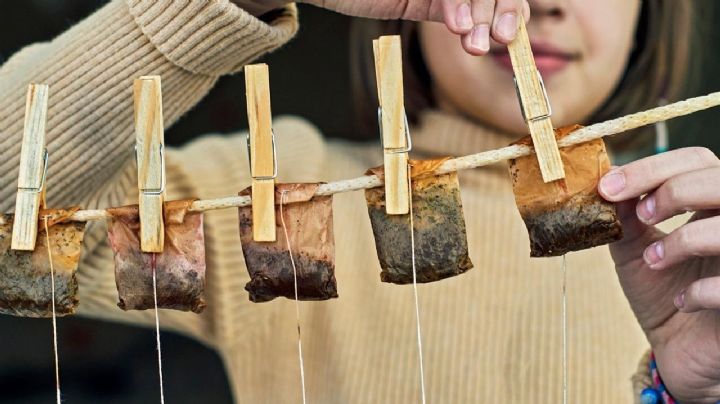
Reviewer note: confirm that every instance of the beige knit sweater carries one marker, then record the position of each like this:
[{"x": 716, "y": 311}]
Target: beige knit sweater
[{"x": 491, "y": 335}]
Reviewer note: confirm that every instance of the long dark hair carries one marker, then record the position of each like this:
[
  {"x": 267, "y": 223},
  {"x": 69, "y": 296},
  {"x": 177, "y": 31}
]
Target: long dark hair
[{"x": 658, "y": 67}]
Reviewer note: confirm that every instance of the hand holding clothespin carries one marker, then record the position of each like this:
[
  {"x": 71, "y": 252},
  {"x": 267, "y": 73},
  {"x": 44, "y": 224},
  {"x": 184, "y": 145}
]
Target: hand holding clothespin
[
  {"x": 261, "y": 152},
  {"x": 33, "y": 169},
  {"x": 535, "y": 105},
  {"x": 394, "y": 130},
  {"x": 149, "y": 154}
]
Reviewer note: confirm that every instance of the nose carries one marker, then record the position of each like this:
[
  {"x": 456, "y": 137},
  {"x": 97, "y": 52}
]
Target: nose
[{"x": 547, "y": 8}]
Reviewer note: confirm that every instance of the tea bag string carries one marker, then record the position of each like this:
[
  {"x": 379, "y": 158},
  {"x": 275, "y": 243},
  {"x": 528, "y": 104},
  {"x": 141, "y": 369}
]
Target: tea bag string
[
  {"x": 153, "y": 259},
  {"x": 297, "y": 303},
  {"x": 564, "y": 331},
  {"x": 54, "y": 316},
  {"x": 415, "y": 290}
]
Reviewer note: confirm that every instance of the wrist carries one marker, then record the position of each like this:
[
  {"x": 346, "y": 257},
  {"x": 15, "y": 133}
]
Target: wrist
[{"x": 656, "y": 393}]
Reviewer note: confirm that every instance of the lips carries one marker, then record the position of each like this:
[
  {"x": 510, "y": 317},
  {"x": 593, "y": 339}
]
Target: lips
[{"x": 548, "y": 59}]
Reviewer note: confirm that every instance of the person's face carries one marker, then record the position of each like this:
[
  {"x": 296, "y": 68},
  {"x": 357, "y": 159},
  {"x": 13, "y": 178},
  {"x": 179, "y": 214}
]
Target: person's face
[{"x": 581, "y": 48}]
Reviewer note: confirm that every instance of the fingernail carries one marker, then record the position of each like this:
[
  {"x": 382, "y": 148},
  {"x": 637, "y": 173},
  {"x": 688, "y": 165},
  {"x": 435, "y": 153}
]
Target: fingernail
[
  {"x": 464, "y": 19},
  {"x": 646, "y": 209},
  {"x": 654, "y": 253},
  {"x": 480, "y": 38},
  {"x": 507, "y": 26},
  {"x": 680, "y": 300},
  {"x": 613, "y": 182}
]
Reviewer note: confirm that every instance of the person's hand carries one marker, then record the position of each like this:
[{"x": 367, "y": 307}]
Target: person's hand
[
  {"x": 672, "y": 281},
  {"x": 475, "y": 21}
]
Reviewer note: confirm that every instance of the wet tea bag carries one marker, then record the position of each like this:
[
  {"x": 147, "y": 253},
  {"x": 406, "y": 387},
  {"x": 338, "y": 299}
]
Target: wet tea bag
[
  {"x": 441, "y": 249},
  {"x": 309, "y": 224},
  {"x": 25, "y": 281},
  {"x": 180, "y": 268},
  {"x": 566, "y": 215}
]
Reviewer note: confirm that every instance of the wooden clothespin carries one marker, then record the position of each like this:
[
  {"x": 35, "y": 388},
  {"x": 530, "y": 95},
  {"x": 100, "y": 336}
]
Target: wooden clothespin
[
  {"x": 261, "y": 152},
  {"x": 33, "y": 169},
  {"x": 149, "y": 153},
  {"x": 535, "y": 105},
  {"x": 394, "y": 131}
]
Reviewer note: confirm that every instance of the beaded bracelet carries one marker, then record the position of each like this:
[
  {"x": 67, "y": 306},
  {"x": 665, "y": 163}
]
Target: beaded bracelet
[{"x": 657, "y": 393}]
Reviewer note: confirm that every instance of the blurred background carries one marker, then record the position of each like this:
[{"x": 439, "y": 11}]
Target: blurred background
[{"x": 111, "y": 363}]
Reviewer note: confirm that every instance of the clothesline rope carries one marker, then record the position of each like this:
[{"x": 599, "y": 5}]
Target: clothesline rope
[{"x": 586, "y": 134}]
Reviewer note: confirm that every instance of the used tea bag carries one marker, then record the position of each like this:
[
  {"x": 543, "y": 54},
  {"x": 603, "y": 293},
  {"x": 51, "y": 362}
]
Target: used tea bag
[
  {"x": 441, "y": 249},
  {"x": 180, "y": 268},
  {"x": 309, "y": 224},
  {"x": 565, "y": 215},
  {"x": 25, "y": 281}
]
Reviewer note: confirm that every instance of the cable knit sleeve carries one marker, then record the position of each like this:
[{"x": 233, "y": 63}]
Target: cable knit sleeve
[{"x": 90, "y": 69}]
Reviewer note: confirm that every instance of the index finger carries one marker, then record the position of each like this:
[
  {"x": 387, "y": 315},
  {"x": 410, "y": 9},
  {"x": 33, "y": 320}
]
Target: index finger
[{"x": 640, "y": 177}]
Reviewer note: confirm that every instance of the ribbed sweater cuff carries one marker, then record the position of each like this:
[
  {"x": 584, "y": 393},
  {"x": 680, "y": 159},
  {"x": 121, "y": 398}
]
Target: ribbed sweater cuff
[{"x": 211, "y": 37}]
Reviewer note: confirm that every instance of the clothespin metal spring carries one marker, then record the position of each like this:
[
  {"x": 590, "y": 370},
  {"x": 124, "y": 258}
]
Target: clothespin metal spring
[
  {"x": 408, "y": 139},
  {"x": 154, "y": 191},
  {"x": 274, "y": 155},
  {"x": 39, "y": 188},
  {"x": 548, "y": 107}
]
